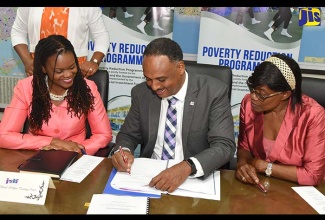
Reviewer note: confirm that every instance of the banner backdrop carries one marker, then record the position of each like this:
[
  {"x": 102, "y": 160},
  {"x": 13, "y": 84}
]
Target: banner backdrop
[
  {"x": 240, "y": 43},
  {"x": 312, "y": 48},
  {"x": 186, "y": 30},
  {"x": 214, "y": 35},
  {"x": 124, "y": 58},
  {"x": 11, "y": 67}
]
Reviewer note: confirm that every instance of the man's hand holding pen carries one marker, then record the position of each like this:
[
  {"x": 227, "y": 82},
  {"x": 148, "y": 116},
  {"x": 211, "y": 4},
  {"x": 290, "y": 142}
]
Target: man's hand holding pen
[
  {"x": 125, "y": 159},
  {"x": 122, "y": 160}
]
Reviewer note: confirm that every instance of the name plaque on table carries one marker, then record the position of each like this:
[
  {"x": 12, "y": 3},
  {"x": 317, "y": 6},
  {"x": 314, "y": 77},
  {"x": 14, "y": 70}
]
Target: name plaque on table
[{"x": 24, "y": 187}]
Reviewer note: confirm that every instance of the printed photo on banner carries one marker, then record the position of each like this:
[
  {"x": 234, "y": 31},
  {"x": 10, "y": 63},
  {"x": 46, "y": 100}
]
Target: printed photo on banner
[
  {"x": 131, "y": 29},
  {"x": 245, "y": 42},
  {"x": 152, "y": 21},
  {"x": 277, "y": 24}
]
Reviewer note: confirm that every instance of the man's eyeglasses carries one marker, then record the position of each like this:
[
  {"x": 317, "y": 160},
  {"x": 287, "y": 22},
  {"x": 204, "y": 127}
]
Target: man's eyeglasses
[{"x": 259, "y": 95}]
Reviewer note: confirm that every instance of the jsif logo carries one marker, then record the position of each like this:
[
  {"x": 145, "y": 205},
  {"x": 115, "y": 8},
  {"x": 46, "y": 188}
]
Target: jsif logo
[{"x": 309, "y": 17}]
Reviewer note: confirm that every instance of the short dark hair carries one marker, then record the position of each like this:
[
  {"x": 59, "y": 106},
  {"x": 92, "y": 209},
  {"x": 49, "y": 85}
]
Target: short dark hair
[
  {"x": 164, "y": 46},
  {"x": 268, "y": 74}
]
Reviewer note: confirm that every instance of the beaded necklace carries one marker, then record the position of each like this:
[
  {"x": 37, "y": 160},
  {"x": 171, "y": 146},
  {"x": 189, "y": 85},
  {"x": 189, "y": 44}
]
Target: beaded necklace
[{"x": 53, "y": 96}]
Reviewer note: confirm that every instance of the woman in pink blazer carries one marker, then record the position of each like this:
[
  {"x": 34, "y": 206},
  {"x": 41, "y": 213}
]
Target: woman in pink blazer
[
  {"x": 282, "y": 131},
  {"x": 57, "y": 100}
]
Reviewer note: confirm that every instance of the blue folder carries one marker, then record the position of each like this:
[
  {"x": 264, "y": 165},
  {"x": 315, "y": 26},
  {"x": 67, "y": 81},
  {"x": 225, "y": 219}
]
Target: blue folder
[{"x": 110, "y": 190}]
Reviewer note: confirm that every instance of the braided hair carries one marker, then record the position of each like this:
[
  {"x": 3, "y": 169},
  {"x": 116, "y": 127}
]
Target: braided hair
[{"x": 79, "y": 98}]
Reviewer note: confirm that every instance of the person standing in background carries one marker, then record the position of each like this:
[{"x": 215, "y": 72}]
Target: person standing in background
[
  {"x": 281, "y": 130},
  {"x": 176, "y": 115},
  {"x": 252, "y": 16},
  {"x": 112, "y": 14},
  {"x": 240, "y": 16},
  {"x": 276, "y": 16},
  {"x": 150, "y": 13},
  {"x": 57, "y": 100},
  {"x": 75, "y": 23},
  {"x": 284, "y": 16}
]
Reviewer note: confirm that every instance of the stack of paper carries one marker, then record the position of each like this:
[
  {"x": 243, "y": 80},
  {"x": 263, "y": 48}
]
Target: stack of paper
[
  {"x": 144, "y": 169},
  {"x": 117, "y": 204}
]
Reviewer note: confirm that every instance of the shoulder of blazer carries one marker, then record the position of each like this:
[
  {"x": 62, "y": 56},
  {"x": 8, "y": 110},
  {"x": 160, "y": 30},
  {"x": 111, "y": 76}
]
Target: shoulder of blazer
[
  {"x": 141, "y": 89},
  {"x": 197, "y": 81}
]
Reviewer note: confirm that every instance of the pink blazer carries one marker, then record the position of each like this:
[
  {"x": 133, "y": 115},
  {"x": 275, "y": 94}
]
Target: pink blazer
[
  {"x": 61, "y": 124},
  {"x": 300, "y": 141}
]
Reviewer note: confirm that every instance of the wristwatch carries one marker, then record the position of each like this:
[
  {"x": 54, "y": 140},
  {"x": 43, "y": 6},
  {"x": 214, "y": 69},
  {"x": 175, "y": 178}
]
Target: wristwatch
[
  {"x": 192, "y": 165},
  {"x": 95, "y": 61},
  {"x": 268, "y": 170}
]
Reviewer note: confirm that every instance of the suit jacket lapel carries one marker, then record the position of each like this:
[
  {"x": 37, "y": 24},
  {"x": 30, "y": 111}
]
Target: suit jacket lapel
[
  {"x": 257, "y": 138},
  {"x": 289, "y": 122},
  {"x": 154, "y": 114},
  {"x": 189, "y": 106}
]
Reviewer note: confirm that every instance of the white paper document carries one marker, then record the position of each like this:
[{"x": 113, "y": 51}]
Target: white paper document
[
  {"x": 205, "y": 189},
  {"x": 118, "y": 204},
  {"x": 312, "y": 196},
  {"x": 81, "y": 168},
  {"x": 144, "y": 169}
]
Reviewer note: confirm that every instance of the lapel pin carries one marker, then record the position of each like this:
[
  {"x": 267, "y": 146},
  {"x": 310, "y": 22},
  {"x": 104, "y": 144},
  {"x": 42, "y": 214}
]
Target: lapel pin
[{"x": 191, "y": 103}]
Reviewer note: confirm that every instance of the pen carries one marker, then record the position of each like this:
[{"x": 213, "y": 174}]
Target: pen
[
  {"x": 261, "y": 187},
  {"x": 123, "y": 156},
  {"x": 83, "y": 151}
]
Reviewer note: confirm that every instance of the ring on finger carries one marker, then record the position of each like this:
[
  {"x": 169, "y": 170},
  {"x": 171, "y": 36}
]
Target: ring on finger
[
  {"x": 243, "y": 179},
  {"x": 90, "y": 69}
]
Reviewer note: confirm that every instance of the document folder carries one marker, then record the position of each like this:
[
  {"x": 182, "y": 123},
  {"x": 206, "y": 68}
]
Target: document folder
[{"x": 51, "y": 162}]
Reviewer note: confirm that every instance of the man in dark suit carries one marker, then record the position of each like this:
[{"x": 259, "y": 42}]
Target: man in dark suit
[{"x": 205, "y": 130}]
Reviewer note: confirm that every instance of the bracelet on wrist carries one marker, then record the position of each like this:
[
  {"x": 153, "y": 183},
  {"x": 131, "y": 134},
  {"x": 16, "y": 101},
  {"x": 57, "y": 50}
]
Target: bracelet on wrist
[
  {"x": 123, "y": 148},
  {"x": 95, "y": 61}
]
